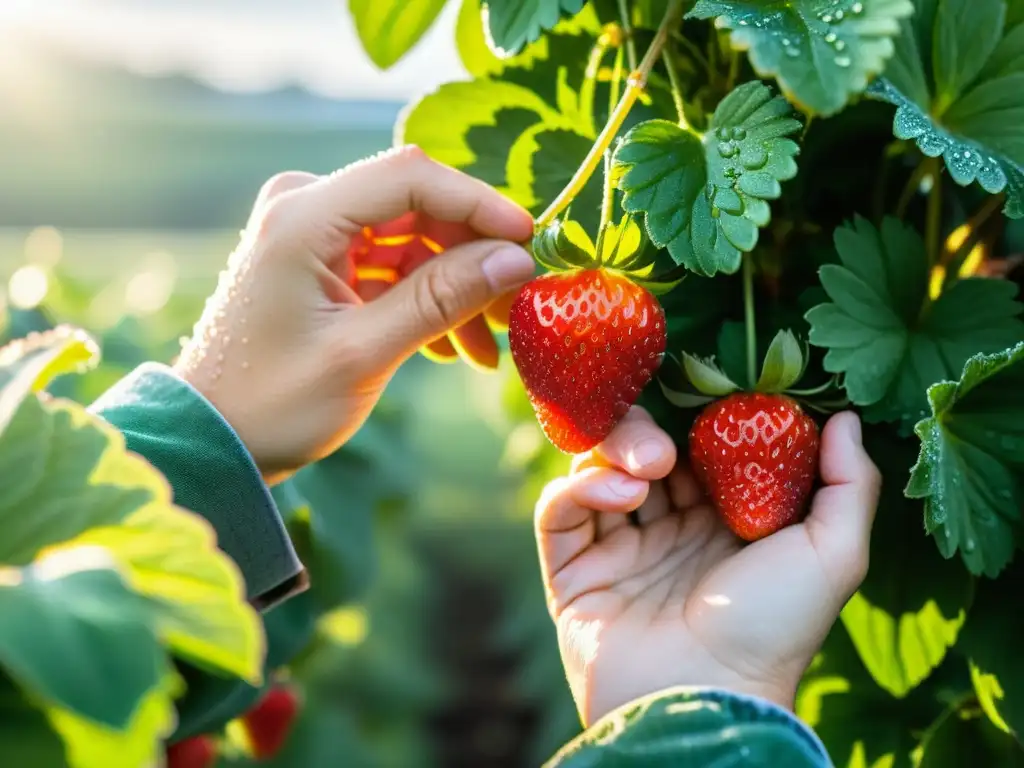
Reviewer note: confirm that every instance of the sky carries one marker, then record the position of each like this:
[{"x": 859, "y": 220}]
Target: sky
[{"x": 236, "y": 45}]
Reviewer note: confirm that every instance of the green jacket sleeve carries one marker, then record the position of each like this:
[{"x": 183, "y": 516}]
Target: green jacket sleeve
[
  {"x": 176, "y": 429},
  {"x": 695, "y": 727}
]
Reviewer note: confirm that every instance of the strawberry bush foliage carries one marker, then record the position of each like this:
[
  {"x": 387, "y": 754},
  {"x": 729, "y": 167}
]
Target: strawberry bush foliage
[
  {"x": 822, "y": 194},
  {"x": 103, "y": 581}
]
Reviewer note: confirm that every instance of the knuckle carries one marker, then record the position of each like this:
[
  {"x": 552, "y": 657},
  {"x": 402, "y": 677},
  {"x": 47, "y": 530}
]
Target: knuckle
[
  {"x": 436, "y": 298},
  {"x": 281, "y": 183}
]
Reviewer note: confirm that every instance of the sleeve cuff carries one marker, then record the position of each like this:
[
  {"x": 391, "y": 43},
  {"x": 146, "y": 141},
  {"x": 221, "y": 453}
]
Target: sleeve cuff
[{"x": 175, "y": 428}]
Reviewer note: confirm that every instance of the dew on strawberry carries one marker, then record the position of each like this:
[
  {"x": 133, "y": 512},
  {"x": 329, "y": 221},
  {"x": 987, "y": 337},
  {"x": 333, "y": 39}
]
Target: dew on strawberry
[
  {"x": 588, "y": 336},
  {"x": 755, "y": 452}
]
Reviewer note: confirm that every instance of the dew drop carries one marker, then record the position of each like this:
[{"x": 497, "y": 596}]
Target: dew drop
[
  {"x": 727, "y": 149},
  {"x": 827, "y": 18},
  {"x": 843, "y": 61},
  {"x": 857, "y": 8},
  {"x": 245, "y": 365},
  {"x": 739, "y": 134},
  {"x": 792, "y": 52},
  {"x": 831, "y": 37},
  {"x": 840, "y": 45},
  {"x": 839, "y": 15},
  {"x": 969, "y": 545}
]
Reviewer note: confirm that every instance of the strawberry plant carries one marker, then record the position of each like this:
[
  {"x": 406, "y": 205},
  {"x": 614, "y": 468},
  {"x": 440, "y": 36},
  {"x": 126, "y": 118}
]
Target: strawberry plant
[
  {"x": 104, "y": 583},
  {"x": 820, "y": 201}
]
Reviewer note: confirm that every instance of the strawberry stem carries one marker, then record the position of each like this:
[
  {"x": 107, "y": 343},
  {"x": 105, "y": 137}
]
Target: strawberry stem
[
  {"x": 677, "y": 89},
  {"x": 635, "y": 85},
  {"x": 627, "y": 29},
  {"x": 750, "y": 322},
  {"x": 607, "y": 201}
]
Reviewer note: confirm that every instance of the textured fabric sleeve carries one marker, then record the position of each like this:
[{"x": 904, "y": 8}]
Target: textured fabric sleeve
[
  {"x": 695, "y": 727},
  {"x": 178, "y": 431}
]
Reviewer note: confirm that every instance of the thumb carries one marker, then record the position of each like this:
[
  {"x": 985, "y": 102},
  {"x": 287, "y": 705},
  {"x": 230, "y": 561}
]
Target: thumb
[
  {"x": 843, "y": 512},
  {"x": 441, "y": 294}
]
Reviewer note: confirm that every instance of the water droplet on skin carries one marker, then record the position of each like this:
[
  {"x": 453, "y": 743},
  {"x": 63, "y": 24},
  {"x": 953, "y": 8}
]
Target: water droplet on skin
[
  {"x": 246, "y": 300},
  {"x": 245, "y": 365},
  {"x": 220, "y": 357},
  {"x": 843, "y": 61}
]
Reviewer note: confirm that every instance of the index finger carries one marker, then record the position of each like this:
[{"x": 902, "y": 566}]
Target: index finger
[{"x": 384, "y": 187}]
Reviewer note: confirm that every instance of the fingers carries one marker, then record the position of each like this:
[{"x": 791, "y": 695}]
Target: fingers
[
  {"x": 843, "y": 512},
  {"x": 565, "y": 514},
  {"x": 639, "y": 446},
  {"x": 475, "y": 343},
  {"x": 278, "y": 185},
  {"x": 388, "y": 185},
  {"x": 440, "y": 295},
  {"x": 498, "y": 312}
]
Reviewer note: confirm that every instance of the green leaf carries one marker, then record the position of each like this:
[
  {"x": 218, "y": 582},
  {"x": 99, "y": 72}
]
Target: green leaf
[
  {"x": 688, "y": 727},
  {"x": 970, "y": 470},
  {"x": 707, "y": 377},
  {"x": 83, "y": 488},
  {"x": 471, "y": 43},
  {"x": 514, "y": 23},
  {"x": 861, "y": 725},
  {"x": 783, "y": 364},
  {"x": 822, "y": 52},
  {"x": 913, "y": 602},
  {"x": 879, "y": 333},
  {"x": 388, "y": 29},
  {"x": 704, "y": 197},
  {"x": 29, "y": 364},
  {"x": 990, "y": 640},
  {"x": 542, "y": 163},
  {"x": 72, "y": 628},
  {"x": 197, "y": 595},
  {"x": 140, "y": 745},
  {"x": 957, "y": 86}
]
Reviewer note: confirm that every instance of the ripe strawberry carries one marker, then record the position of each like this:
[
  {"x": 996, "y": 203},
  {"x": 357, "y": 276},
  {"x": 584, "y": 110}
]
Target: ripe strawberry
[
  {"x": 585, "y": 342},
  {"x": 270, "y": 721},
  {"x": 196, "y": 752},
  {"x": 756, "y": 455}
]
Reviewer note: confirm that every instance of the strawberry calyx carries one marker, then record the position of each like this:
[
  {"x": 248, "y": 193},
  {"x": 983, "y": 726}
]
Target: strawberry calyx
[
  {"x": 621, "y": 247},
  {"x": 783, "y": 367}
]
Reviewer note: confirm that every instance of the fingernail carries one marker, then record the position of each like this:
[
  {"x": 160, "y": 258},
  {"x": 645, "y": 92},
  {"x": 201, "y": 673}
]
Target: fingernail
[
  {"x": 645, "y": 453},
  {"x": 856, "y": 432},
  {"x": 508, "y": 266},
  {"x": 624, "y": 487}
]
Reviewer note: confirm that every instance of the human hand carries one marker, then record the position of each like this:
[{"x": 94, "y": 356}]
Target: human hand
[
  {"x": 680, "y": 600},
  {"x": 296, "y": 345}
]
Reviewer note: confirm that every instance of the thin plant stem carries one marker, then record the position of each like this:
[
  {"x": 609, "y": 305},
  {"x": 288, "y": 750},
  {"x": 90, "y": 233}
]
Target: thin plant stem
[
  {"x": 627, "y": 29},
  {"x": 748, "y": 315},
  {"x": 634, "y": 87},
  {"x": 677, "y": 91},
  {"x": 934, "y": 215}
]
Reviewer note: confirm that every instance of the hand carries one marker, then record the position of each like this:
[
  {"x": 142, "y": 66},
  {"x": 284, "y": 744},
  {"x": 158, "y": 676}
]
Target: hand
[
  {"x": 288, "y": 350},
  {"x": 679, "y": 599}
]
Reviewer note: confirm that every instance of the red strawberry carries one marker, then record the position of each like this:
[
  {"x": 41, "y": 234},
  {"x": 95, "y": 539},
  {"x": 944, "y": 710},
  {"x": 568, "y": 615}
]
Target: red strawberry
[
  {"x": 757, "y": 456},
  {"x": 270, "y": 721},
  {"x": 196, "y": 752},
  {"x": 585, "y": 342}
]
